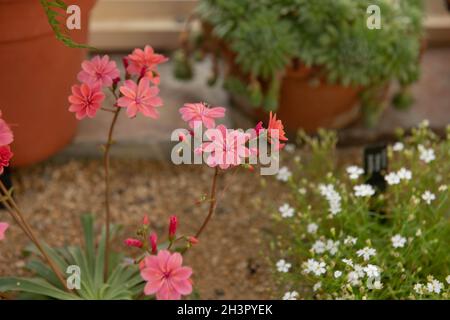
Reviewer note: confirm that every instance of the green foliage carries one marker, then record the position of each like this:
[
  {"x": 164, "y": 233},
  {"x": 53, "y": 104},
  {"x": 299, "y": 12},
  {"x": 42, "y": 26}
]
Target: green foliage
[
  {"x": 423, "y": 259},
  {"x": 51, "y": 10},
  {"x": 124, "y": 281},
  {"x": 267, "y": 34}
]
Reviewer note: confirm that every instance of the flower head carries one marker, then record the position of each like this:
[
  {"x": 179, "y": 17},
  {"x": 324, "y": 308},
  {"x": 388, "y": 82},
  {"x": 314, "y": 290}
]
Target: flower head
[
  {"x": 366, "y": 253},
  {"x": 428, "y": 197},
  {"x": 354, "y": 172},
  {"x": 98, "y": 70},
  {"x": 392, "y": 178},
  {"x": 85, "y": 100},
  {"x": 286, "y": 211},
  {"x": 199, "y": 112},
  {"x": 146, "y": 60},
  {"x": 283, "y": 266},
  {"x": 3, "y": 227},
  {"x": 276, "y": 131},
  {"x": 5, "y": 157},
  {"x": 398, "y": 241},
  {"x": 364, "y": 190},
  {"x": 398, "y": 146},
  {"x": 284, "y": 174},
  {"x": 426, "y": 155},
  {"x": 140, "y": 98},
  {"x": 6, "y": 134},
  {"x": 292, "y": 295},
  {"x": 404, "y": 174},
  {"x": 312, "y": 228},
  {"x": 165, "y": 276},
  {"x": 226, "y": 147}
]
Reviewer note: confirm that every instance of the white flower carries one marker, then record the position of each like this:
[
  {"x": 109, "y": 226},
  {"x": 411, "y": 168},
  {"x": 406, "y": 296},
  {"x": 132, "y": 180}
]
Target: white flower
[
  {"x": 283, "y": 266},
  {"x": 447, "y": 279},
  {"x": 289, "y": 147},
  {"x": 349, "y": 241},
  {"x": 319, "y": 247},
  {"x": 418, "y": 288},
  {"x": 333, "y": 198},
  {"x": 377, "y": 285},
  {"x": 337, "y": 274},
  {"x": 348, "y": 262},
  {"x": 317, "y": 286},
  {"x": 364, "y": 190},
  {"x": 353, "y": 278},
  {"x": 302, "y": 191},
  {"x": 418, "y": 232},
  {"x": 427, "y": 196},
  {"x": 366, "y": 253},
  {"x": 426, "y": 155},
  {"x": 354, "y": 172},
  {"x": 442, "y": 188},
  {"x": 332, "y": 247},
  {"x": 359, "y": 270},
  {"x": 398, "y": 241},
  {"x": 316, "y": 267},
  {"x": 284, "y": 174},
  {"x": 392, "y": 178},
  {"x": 292, "y": 295},
  {"x": 404, "y": 174},
  {"x": 312, "y": 228},
  {"x": 372, "y": 271},
  {"x": 435, "y": 286},
  {"x": 286, "y": 211},
  {"x": 398, "y": 146}
]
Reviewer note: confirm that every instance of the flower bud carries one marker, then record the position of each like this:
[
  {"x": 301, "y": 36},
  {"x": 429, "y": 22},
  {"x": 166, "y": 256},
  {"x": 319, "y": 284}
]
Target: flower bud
[
  {"x": 192, "y": 240},
  {"x": 173, "y": 223},
  {"x": 125, "y": 62},
  {"x": 145, "y": 220},
  {"x": 153, "y": 243},
  {"x": 130, "y": 242}
]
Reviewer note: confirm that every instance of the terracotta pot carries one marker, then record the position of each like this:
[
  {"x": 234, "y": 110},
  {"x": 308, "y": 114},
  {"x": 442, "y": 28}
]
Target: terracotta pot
[
  {"x": 303, "y": 105},
  {"x": 37, "y": 72}
]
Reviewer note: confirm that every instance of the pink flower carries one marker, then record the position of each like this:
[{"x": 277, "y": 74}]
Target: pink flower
[
  {"x": 130, "y": 242},
  {"x": 6, "y": 135},
  {"x": 173, "y": 224},
  {"x": 98, "y": 71},
  {"x": 276, "y": 131},
  {"x": 145, "y": 59},
  {"x": 192, "y": 112},
  {"x": 142, "y": 98},
  {"x": 165, "y": 276},
  {"x": 5, "y": 156},
  {"x": 3, "y": 227},
  {"x": 227, "y": 147},
  {"x": 85, "y": 100}
]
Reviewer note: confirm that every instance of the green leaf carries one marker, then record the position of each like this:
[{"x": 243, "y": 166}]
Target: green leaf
[{"x": 37, "y": 286}]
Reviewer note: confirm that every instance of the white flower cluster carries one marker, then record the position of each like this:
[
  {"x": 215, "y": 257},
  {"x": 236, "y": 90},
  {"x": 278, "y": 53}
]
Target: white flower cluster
[
  {"x": 332, "y": 196},
  {"x": 331, "y": 246},
  {"x": 433, "y": 286},
  {"x": 354, "y": 172},
  {"x": 396, "y": 177},
  {"x": 316, "y": 267},
  {"x": 364, "y": 190}
]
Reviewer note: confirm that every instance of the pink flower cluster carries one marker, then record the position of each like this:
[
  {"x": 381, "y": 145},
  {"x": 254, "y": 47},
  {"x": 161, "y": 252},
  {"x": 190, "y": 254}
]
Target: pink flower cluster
[
  {"x": 227, "y": 147},
  {"x": 137, "y": 95},
  {"x": 6, "y": 138},
  {"x": 163, "y": 270}
]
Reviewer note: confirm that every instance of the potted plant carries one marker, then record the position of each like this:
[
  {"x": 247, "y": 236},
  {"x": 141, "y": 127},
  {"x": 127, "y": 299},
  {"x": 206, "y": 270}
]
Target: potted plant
[
  {"x": 314, "y": 61},
  {"x": 37, "y": 71}
]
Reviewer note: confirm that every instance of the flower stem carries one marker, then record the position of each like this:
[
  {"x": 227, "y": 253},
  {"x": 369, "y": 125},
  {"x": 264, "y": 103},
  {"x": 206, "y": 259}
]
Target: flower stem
[
  {"x": 13, "y": 209},
  {"x": 212, "y": 205},
  {"x": 106, "y": 163}
]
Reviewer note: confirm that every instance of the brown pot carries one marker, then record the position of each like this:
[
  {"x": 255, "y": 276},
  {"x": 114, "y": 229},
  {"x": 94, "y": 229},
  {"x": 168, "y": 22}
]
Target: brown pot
[
  {"x": 308, "y": 106},
  {"x": 37, "y": 73}
]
